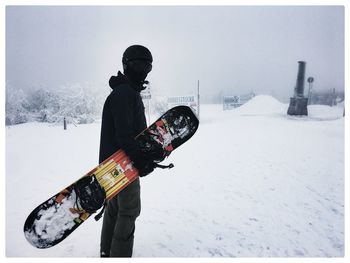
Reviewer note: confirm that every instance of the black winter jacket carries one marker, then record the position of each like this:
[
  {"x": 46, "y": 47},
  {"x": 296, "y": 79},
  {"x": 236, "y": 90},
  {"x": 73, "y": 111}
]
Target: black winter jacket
[{"x": 123, "y": 118}]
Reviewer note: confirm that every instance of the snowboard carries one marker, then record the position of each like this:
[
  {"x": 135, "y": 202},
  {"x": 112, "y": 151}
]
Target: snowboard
[{"x": 56, "y": 218}]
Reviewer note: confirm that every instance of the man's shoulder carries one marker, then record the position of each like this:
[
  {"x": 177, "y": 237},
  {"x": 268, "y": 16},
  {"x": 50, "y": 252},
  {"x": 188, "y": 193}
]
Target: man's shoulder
[{"x": 123, "y": 89}]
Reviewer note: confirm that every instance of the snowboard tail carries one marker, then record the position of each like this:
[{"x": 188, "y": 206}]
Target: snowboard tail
[{"x": 56, "y": 218}]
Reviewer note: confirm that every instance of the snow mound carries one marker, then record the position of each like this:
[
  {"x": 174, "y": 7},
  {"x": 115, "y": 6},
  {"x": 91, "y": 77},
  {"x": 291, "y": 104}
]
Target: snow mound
[
  {"x": 325, "y": 112},
  {"x": 262, "y": 105}
]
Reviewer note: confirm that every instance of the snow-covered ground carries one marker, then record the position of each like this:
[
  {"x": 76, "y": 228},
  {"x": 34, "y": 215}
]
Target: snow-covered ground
[{"x": 253, "y": 182}]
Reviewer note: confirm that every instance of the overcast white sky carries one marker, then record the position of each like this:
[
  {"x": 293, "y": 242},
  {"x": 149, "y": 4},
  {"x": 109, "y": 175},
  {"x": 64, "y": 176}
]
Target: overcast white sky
[{"x": 233, "y": 49}]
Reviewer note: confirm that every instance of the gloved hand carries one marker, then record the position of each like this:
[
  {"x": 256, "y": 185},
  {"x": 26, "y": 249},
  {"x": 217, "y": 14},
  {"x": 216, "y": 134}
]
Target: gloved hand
[
  {"x": 142, "y": 162},
  {"x": 143, "y": 165}
]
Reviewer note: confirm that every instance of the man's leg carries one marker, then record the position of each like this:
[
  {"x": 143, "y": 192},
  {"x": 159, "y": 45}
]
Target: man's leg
[
  {"x": 129, "y": 204},
  {"x": 109, "y": 221}
]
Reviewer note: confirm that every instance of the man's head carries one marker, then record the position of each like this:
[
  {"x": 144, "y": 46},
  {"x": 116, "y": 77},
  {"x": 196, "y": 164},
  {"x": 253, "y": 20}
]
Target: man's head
[{"x": 137, "y": 63}]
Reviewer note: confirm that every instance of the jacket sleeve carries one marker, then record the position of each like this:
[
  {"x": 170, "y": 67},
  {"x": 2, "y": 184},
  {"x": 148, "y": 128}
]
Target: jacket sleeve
[{"x": 121, "y": 104}]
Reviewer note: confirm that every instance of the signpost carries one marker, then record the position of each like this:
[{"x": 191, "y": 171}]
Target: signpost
[
  {"x": 146, "y": 96},
  {"x": 310, "y": 80}
]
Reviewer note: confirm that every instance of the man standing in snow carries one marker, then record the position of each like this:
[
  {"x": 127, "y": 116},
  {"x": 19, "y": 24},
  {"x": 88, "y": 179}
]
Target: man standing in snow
[{"x": 123, "y": 118}]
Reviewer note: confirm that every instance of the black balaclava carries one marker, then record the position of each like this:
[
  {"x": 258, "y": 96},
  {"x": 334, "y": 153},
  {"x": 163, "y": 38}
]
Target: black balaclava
[{"x": 137, "y": 63}]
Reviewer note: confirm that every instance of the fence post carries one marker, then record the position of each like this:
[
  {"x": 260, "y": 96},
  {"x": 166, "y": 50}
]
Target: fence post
[{"x": 64, "y": 123}]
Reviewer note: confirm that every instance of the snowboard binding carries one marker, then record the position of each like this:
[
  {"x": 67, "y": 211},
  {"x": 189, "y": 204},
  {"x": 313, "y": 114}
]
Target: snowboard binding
[{"x": 89, "y": 193}]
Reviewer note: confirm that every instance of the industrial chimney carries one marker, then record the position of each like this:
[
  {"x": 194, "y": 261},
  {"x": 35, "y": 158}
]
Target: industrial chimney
[{"x": 298, "y": 103}]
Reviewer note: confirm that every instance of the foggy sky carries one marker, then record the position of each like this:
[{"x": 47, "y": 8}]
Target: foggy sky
[{"x": 233, "y": 49}]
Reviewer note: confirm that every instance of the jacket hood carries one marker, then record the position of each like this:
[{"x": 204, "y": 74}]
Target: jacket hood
[{"x": 115, "y": 81}]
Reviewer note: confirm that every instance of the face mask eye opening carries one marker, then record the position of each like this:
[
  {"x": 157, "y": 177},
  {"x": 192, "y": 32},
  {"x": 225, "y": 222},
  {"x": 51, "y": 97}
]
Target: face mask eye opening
[{"x": 140, "y": 65}]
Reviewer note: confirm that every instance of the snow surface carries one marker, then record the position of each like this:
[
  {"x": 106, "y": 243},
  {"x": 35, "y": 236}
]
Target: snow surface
[{"x": 252, "y": 182}]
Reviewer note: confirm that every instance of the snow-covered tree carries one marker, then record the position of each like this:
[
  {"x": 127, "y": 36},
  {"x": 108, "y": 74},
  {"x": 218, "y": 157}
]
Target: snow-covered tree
[
  {"x": 16, "y": 103},
  {"x": 76, "y": 103}
]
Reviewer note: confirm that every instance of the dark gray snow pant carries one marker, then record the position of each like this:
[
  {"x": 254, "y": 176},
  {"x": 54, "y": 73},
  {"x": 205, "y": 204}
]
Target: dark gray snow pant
[{"x": 117, "y": 236}]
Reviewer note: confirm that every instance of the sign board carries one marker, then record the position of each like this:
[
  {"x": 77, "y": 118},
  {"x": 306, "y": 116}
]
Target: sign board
[
  {"x": 230, "y": 102},
  {"x": 190, "y": 100}
]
